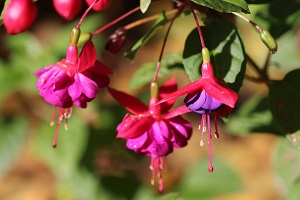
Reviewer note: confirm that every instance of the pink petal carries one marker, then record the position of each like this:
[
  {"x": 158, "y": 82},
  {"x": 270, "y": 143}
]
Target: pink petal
[
  {"x": 83, "y": 85},
  {"x": 166, "y": 89},
  {"x": 131, "y": 103},
  {"x": 157, "y": 131},
  {"x": 87, "y": 56},
  {"x": 157, "y": 149},
  {"x": 138, "y": 142},
  {"x": 90, "y": 88},
  {"x": 75, "y": 90}
]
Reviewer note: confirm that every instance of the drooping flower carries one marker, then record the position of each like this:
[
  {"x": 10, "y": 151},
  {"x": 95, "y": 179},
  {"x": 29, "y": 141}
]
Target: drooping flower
[
  {"x": 73, "y": 80},
  {"x": 153, "y": 130},
  {"x": 19, "y": 15},
  {"x": 209, "y": 96}
]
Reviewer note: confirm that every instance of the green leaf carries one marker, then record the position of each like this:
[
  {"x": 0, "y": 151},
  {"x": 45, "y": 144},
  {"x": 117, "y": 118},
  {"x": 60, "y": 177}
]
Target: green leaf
[
  {"x": 287, "y": 56},
  {"x": 144, "y": 75},
  {"x": 286, "y": 164},
  {"x": 277, "y": 20},
  {"x": 225, "y": 5},
  {"x": 171, "y": 196},
  {"x": 198, "y": 183},
  {"x": 260, "y": 1},
  {"x": 73, "y": 182},
  {"x": 227, "y": 52},
  {"x": 12, "y": 138},
  {"x": 161, "y": 20},
  {"x": 80, "y": 184},
  {"x": 284, "y": 98},
  {"x": 253, "y": 116},
  {"x": 144, "y": 5},
  {"x": 293, "y": 192}
]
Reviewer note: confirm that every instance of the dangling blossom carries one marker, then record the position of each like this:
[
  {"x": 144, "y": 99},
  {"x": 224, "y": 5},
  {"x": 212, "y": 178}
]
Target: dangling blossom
[
  {"x": 153, "y": 130},
  {"x": 208, "y": 96},
  {"x": 73, "y": 80}
]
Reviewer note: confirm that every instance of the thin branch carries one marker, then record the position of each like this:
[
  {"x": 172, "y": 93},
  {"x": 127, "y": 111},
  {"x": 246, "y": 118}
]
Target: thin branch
[{"x": 261, "y": 72}]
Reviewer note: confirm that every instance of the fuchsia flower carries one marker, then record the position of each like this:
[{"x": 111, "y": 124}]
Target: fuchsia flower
[
  {"x": 207, "y": 96},
  {"x": 73, "y": 80},
  {"x": 154, "y": 130}
]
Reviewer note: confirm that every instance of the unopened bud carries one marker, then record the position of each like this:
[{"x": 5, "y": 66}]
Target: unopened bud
[
  {"x": 84, "y": 37},
  {"x": 116, "y": 41},
  {"x": 74, "y": 36},
  {"x": 19, "y": 15},
  {"x": 100, "y": 5},
  {"x": 67, "y": 9},
  {"x": 154, "y": 90},
  {"x": 205, "y": 55},
  {"x": 269, "y": 41}
]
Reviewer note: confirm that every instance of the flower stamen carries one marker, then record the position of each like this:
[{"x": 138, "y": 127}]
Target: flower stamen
[
  {"x": 63, "y": 113},
  {"x": 209, "y": 137},
  {"x": 216, "y": 127},
  {"x": 156, "y": 166}
]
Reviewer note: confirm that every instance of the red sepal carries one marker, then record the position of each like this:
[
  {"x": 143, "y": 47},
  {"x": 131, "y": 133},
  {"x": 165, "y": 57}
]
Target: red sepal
[{"x": 131, "y": 103}]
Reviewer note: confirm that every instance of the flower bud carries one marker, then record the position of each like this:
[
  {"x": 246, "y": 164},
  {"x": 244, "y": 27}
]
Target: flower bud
[
  {"x": 19, "y": 15},
  {"x": 100, "y": 5},
  {"x": 116, "y": 41},
  {"x": 67, "y": 9},
  {"x": 74, "y": 36},
  {"x": 205, "y": 55},
  {"x": 84, "y": 37},
  {"x": 269, "y": 41}
]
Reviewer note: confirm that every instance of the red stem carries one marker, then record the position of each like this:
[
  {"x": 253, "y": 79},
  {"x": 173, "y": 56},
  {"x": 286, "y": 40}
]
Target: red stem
[
  {"x": 115, "y": 21},
  {"x": 85, "y": 14},
  {"x": 197, "y": 24}
]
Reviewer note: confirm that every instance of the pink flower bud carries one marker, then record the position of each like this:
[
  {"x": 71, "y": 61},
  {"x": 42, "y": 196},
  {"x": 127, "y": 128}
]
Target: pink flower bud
[
  {"x": 67, "y": 9},
  {"x": 19, "y": 15},
  {"x": 100, "y": 5}
]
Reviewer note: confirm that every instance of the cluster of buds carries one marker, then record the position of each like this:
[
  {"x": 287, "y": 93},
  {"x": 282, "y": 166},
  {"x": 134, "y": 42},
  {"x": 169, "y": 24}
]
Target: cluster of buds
[{"x": 19, "y": 15}]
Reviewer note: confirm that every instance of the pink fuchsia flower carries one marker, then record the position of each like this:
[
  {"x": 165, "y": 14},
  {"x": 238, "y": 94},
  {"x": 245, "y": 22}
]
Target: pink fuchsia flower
[
  {"x": 19, "y": 15},
  {"x": 73, "y": 80},
  {"x": 207, "y": 96},
  {"x": 153, "y": 130}
]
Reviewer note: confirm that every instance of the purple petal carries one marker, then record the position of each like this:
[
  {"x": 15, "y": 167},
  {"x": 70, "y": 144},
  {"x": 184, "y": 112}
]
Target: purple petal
[{"x": 201, "y": 102}]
